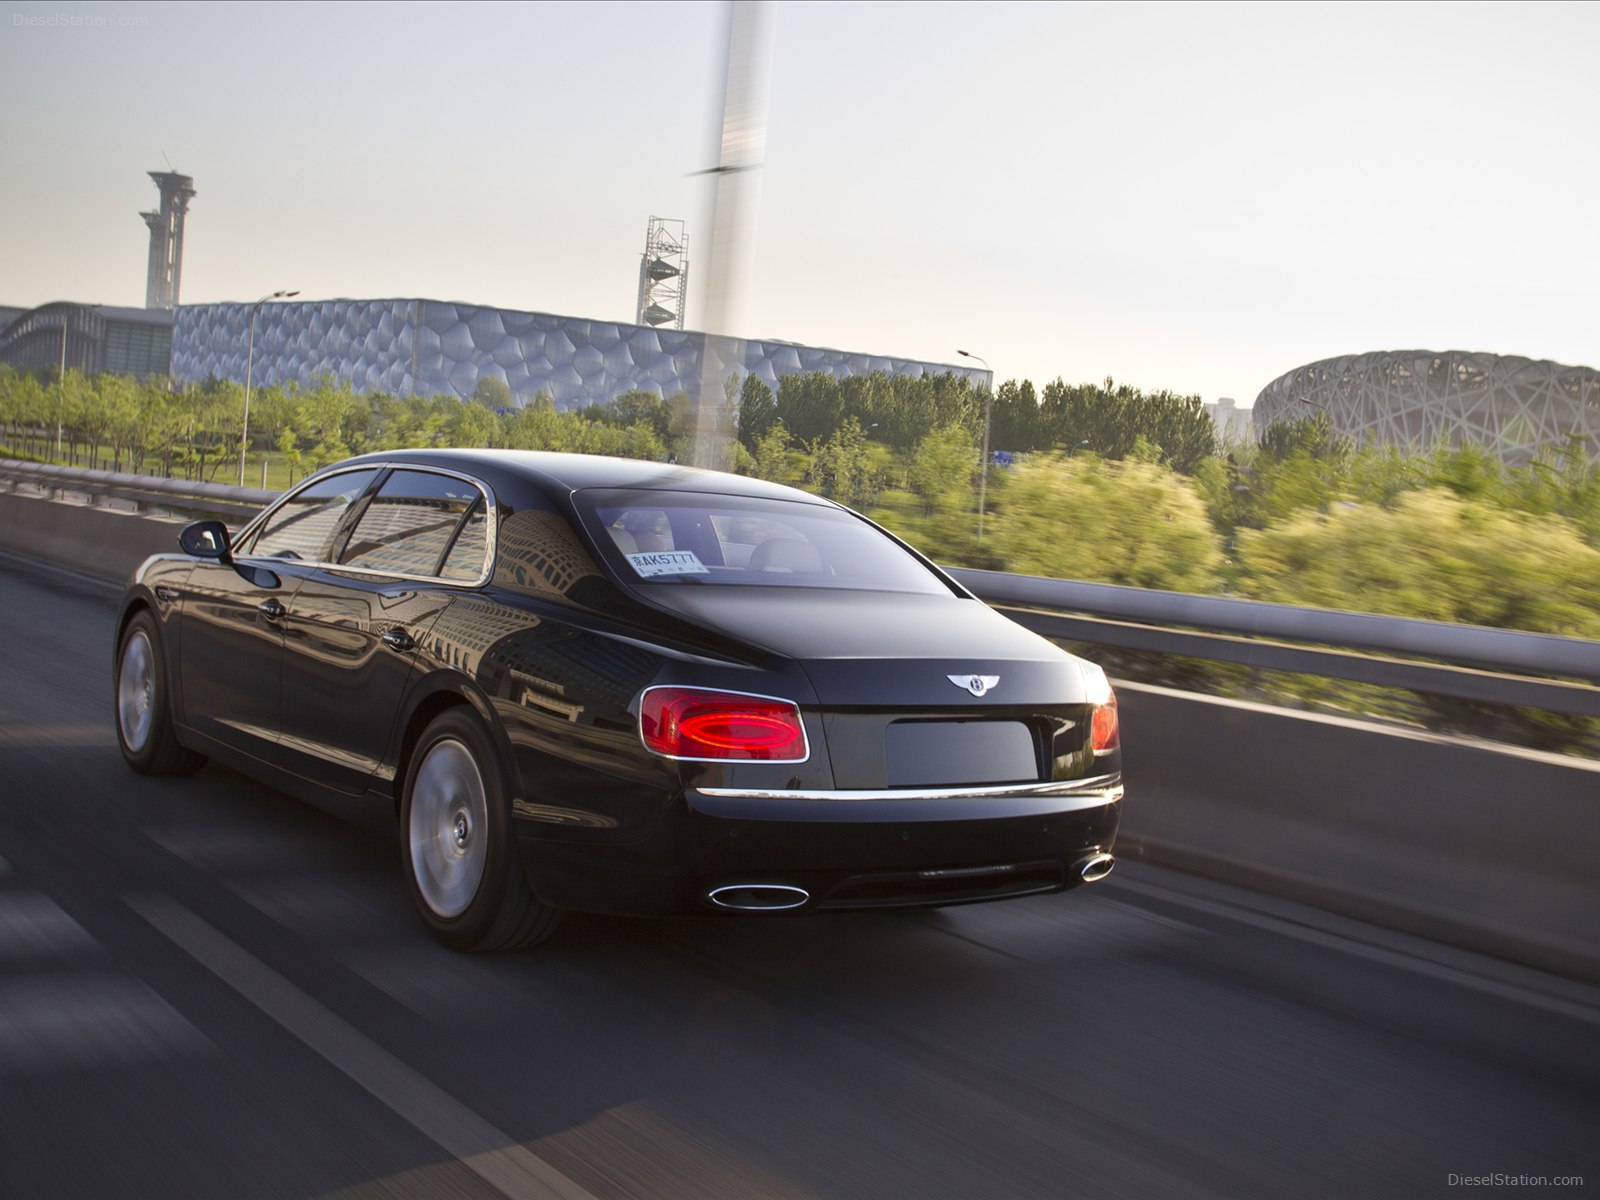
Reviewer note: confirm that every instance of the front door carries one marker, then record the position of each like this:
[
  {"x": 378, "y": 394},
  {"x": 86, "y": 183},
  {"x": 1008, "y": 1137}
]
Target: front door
[{"x": 235, "y": 615}]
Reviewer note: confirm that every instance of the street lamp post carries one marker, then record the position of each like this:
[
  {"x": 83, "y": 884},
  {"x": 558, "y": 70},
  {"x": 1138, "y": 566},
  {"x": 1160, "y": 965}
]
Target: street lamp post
[
  {"x": 249, "y": 363},
  {"x": 988, "y": 412},
  {"x": 61, "y": 381}
]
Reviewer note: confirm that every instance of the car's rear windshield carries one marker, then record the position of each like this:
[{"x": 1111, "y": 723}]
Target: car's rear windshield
[{"x": 661, "y": 537}]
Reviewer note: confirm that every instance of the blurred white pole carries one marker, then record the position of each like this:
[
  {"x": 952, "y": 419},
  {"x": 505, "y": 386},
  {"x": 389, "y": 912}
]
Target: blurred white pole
[
  {"x": 983, "y": 459},
  {"x": 742, "y": 142}
]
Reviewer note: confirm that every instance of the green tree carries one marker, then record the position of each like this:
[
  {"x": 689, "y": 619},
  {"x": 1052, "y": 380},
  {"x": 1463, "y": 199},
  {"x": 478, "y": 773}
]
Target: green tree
[
  {"x": 810, "y": 405},
  {"x": 492, "y": 393},
  {"x": 771, "y": 457},
  {"x": 943, "y": 472},
  {"x": 843, "y": 469},
  {"x": 1014, "y": 422},
  {"x": 636, "y": 407},
  {"x": 758, "y": 412},
  {"x": 471, "y": 425}
]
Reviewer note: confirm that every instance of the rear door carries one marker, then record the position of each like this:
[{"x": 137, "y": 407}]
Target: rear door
[{"x": 353, "y": 627}]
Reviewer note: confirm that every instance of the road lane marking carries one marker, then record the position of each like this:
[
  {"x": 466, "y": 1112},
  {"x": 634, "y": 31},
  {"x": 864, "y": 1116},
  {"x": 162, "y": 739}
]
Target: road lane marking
[
  {"x": 88, "y": 1020},
  {"x": 32, "y": 924},
  {"x": 495, "y": 1157}
]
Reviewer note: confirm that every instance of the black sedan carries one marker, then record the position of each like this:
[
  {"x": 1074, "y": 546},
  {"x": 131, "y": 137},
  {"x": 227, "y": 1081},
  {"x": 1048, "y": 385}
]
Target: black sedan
[{"x": 621, "y": 687}]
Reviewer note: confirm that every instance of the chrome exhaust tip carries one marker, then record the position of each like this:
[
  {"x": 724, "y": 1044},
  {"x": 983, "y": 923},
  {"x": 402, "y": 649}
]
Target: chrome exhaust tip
[
  {"x": 758, "y": 897},
  {"x": 1095, "y": 867}
]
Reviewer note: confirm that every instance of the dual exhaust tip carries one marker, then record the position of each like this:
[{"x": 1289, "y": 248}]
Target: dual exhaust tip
[
  {"x": 777, "y": 897},
  {"x": 758, "y": 897},
  {"x": 1094, "y": 868}
]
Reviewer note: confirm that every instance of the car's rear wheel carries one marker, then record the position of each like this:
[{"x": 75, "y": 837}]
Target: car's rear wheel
[
  {"x": 459, "y": 850},
  {"x": 144, "y": 704}
]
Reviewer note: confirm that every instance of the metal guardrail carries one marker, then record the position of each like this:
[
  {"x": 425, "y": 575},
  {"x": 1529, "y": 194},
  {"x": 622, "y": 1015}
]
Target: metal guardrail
[
  {"x": 1495, "y": 666},
  {"x": 140, "y": 493}
]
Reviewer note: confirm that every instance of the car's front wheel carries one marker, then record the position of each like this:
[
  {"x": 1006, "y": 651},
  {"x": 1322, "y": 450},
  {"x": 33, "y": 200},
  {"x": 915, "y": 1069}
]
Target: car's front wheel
[
  {"x": 460, "y": 857},
  {"x": 144, "y": 704}
]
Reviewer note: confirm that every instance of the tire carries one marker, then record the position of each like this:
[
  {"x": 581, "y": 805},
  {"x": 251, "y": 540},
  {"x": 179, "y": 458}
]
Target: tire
[
  {"x": 457, "y": 843},
  {"x": 142, "y": 704}
]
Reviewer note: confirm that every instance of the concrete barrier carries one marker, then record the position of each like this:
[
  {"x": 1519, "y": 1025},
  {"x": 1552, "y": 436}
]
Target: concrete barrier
[
  {"x": 1469, "y": 843},
  {"x": 1466, "y": 842},
  {"x": 96, "y": 541}
]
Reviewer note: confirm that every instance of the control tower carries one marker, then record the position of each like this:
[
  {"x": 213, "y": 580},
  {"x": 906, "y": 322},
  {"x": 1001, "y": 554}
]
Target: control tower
[{"x": 166, "y": 239}]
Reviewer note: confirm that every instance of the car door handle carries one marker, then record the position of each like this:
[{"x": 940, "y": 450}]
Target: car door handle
[
  {"x": 272, "y": 610},
  {"x": 399, "y": 641}
]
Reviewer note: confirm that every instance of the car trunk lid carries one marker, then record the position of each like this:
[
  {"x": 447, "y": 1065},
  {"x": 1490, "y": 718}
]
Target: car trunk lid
[{"x": 915, "y": 691}]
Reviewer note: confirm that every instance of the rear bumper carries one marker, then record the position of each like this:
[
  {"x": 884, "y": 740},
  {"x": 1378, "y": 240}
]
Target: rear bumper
[{"x": 842, "y": 849}]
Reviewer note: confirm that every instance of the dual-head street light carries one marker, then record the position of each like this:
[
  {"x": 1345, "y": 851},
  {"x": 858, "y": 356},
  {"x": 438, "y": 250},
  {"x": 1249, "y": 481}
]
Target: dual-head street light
[{"x": 249, "y": 362}]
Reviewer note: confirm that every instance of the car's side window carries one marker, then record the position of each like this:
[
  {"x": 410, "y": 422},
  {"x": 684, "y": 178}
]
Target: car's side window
[
  {"x": 408, "y": 527},
  {"x": 305, "y": 523},
  {"x": 466, "y": 558}
]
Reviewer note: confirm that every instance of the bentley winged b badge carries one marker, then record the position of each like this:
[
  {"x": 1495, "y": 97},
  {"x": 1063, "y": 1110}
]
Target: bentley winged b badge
[{"x": 978, "y": 685}]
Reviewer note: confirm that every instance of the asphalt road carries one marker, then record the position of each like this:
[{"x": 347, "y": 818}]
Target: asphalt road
[{"x": 209, "y": 989}]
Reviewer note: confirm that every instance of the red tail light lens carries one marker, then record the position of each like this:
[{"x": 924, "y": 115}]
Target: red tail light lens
[
  {"x": 1107, "y": 731},
  {"x": 725, "y": 726}
]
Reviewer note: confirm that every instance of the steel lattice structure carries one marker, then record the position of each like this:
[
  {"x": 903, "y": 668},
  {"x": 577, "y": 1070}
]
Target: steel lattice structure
[{"x": 1415, "y": 399}]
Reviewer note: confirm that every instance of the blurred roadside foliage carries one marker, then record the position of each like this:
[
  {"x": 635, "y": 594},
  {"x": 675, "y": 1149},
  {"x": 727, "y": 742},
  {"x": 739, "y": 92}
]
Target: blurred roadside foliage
[
  {"x": 1132, "y": 523},
  {"x": 1104, "y": 483}
]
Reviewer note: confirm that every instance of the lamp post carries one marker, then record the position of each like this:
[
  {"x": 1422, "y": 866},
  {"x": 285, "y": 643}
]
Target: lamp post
[
  {"x": 988, "y": 412},
  {"x": 249, "y": 363},
  {"x": 61, "y": 381}
]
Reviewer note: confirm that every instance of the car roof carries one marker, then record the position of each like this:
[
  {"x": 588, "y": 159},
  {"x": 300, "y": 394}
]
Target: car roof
[{"x": 571, "y": 472}]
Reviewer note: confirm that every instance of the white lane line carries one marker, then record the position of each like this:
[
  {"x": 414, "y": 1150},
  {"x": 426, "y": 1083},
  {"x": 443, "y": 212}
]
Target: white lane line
[
  {"x": 495, "y": 1157},
  {"x": 32, "y": 924},
  {"x": 88, "y": 1020}
]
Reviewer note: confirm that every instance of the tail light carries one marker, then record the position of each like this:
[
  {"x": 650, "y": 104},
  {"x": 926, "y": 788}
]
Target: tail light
[
  {"x": 1106, "y": 731},
  {"x": 696, "y": 723}
]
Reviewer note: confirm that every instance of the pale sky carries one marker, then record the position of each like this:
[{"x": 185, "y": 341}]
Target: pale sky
[{"x": 1189, "y": 196}]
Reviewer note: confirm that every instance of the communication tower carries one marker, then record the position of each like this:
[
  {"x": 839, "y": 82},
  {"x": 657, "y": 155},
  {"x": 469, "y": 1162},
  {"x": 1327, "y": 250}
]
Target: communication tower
[
  {"x": 166, "y": 239},
  {"x": 663, "y": 274}
]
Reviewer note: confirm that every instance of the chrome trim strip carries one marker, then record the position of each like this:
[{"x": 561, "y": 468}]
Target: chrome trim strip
[{"x": 1095, "y": 791}]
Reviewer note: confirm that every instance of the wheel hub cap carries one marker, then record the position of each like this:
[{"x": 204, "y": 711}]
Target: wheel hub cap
[
  {"x": 136, "y": 692},
  {"x": 448, "y": 807}
]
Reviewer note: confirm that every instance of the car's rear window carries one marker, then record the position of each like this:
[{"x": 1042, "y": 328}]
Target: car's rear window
[{"x": 659, "y": 537}]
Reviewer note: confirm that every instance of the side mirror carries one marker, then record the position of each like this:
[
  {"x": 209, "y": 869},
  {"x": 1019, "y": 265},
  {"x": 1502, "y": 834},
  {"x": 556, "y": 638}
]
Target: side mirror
[{"x": 206, "y": 539}]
